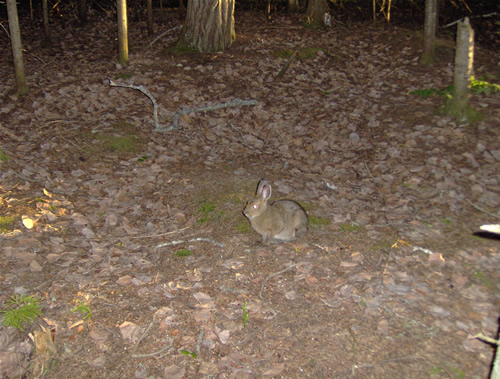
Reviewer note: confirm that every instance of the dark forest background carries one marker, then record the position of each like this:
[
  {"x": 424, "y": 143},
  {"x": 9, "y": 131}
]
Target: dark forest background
[{"x": 484, "y": 14}]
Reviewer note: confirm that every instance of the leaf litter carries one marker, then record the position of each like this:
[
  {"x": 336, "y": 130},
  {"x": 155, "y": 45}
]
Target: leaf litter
[{"x": 394, "y": 285}]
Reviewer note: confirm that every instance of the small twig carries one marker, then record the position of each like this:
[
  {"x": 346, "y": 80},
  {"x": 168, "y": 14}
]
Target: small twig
[
  {"x": 36, "y": 56},
  {"x": 164, "y": 350},
  {"x": 143, "y": 335},
  {"x": 368, "y": 169},
  {"x": 197, "y": 239},
  {"x": 482, "y": 210},
  {"x": 241, "y": 134},
  {"x": 145, "y": 92},
  {"x": 479, "y": 16},
  {"x": 287, "y": 65},
  {"x": 5, "y": 29},
  {"x": 490, "y": 340},
  {"x": 161, "y": 35},
  {"x": 270, "y": 276},
  {"x": 182, "y": 112}
]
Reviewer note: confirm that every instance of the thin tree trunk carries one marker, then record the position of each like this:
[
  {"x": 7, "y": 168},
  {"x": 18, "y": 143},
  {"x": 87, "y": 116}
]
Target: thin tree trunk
[
  {"x": 430, "y": 27},
  {"x": 459, "y": 106},
  {"x": 122, "y": 32},
  {"x": 293, "y": 6},
  {"x": 82, "y": 11},
  {"x": 209, "y": 25},
  {"x": 150, "y": 17},
  {"x": 46, "y": 29},
  {"x": 17, "y": 53}
]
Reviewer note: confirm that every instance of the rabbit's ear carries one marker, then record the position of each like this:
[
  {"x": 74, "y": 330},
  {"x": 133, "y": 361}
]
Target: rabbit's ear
[
  {"x": 266, "y": 191},
  {"x": 260, "y": 186}
]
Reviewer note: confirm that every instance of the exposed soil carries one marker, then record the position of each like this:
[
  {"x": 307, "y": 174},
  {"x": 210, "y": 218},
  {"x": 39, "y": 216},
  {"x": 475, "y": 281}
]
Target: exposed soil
[{"x": 390, "y": 281}]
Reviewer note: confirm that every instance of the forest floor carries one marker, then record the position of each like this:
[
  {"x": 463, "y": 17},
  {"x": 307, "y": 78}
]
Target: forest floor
[{"x": 144, "y": 229}]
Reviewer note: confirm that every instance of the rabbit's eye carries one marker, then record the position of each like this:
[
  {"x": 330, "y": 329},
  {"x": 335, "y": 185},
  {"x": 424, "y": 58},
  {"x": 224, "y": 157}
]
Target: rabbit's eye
[{"x": 255, "y": 206}]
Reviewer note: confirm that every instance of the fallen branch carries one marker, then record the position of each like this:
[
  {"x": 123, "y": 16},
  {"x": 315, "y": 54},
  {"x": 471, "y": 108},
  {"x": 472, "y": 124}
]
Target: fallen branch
[
  {"x": 228, "y": 104},
  {"x": 287, "y": 65},
  {"x": 198, "y": 239},
  {"x": 179, "y": 114},
  {"x": 145, "y": 92}
]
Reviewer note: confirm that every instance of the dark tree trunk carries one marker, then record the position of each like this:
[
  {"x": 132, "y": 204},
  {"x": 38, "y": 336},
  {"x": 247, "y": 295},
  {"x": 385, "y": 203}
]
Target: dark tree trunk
[
  {"x": 293, "y": 6},
  {"x": 82, "y": 11},
  {"x": 46, "y": 30},
  {"x": 316, "y": 12},
  {"x": 150, "y": 17}
]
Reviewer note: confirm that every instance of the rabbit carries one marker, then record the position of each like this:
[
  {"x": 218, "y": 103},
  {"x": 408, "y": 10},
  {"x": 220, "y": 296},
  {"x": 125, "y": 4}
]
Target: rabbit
[{"x": 283, "y": 220}]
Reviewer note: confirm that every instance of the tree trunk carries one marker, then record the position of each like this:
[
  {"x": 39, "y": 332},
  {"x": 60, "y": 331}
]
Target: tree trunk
[
  {"x": 46, "y": 31},
  {"x": 150, "y": 17},
  {"x": 430, "y": 26},
  {"x": 316, "y": 10},
  {"x": 458, "y": 106},
  {"x": 17, "y": 53},
  {"x": 82, "y": 11},
  {"x": 209, "y": 25},
  {"x": 293, "y": 6},
  {"x": 122, "y": 32}
]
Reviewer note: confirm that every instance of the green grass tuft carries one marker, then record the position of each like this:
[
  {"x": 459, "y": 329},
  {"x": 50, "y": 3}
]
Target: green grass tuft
[
  {"x": 6, "y": 223},
  {"x": 318, "y": 221},
  {"x": 183, "y": 253},
  {"x": 350, "y": 227},
  {"x": 3, "y": 157}
]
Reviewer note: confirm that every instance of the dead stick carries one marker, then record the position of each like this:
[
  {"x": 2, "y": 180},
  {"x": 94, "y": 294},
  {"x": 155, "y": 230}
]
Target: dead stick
[{"x": 287, "y": 65}]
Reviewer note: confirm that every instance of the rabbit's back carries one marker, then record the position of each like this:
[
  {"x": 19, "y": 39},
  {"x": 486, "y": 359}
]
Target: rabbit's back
[{"x": 294, "y": 220}]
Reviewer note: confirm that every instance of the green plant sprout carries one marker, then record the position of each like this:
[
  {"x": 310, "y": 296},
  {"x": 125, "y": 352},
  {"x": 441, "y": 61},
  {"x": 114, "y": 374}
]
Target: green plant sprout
[
  {"x": 84, "y": 310},
  {"x": 22, "y": 310},
  {"x": 245, "y": 314},
  {"x": 185, "y": 352}
]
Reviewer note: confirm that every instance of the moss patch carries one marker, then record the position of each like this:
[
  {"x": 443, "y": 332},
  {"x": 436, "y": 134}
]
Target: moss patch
[{"x": 6, "y": 223}]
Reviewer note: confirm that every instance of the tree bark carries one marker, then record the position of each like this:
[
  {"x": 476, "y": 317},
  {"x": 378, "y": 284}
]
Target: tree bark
[
  {"x": 82, "y": 11},
  {"x": 293, "y": 6},
  {"x": 209, "y": 25},
  {"x": 150, "y": 18},
  {"x": 458, "y": 106},
  {"x": 17, "y": 53},
  {"x": 46, "y": 30},
  {"x": 316, "y": 12},
  {"x": 122, "y": 32},
  {"x": 430, "y": 26}
]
